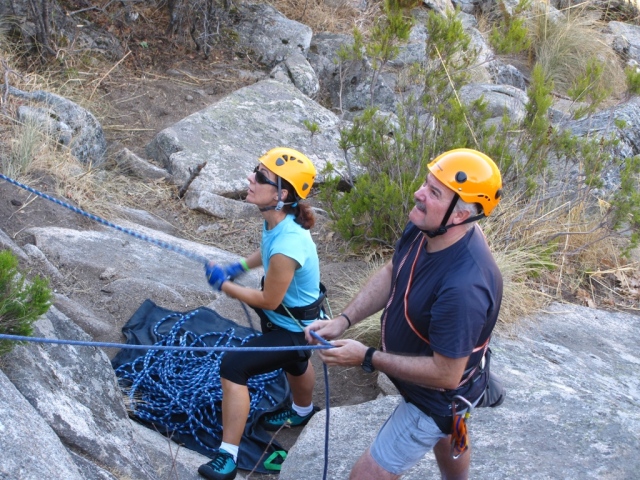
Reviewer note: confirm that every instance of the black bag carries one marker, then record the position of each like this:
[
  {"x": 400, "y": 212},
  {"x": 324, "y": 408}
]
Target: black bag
[{"x": 495, "y": 392}]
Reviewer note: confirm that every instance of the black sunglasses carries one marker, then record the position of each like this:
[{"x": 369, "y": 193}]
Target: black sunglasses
[{"x": 261, "y": 178}]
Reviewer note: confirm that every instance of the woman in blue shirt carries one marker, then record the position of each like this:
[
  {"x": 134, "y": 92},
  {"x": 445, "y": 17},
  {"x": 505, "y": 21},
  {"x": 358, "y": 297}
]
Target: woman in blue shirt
[{"x": 289, "y": 300}]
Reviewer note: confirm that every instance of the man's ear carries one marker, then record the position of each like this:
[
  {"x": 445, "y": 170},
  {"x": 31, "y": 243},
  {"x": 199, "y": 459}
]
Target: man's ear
[{"x": 460, "y": 216}]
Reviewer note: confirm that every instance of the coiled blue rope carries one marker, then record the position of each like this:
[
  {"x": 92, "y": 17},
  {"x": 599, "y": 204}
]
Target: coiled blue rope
[{"x": 181, "y": 391}]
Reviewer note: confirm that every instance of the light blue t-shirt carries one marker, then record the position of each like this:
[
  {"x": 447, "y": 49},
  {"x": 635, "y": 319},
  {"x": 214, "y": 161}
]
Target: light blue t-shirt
[{"x": 290, "y": 239}]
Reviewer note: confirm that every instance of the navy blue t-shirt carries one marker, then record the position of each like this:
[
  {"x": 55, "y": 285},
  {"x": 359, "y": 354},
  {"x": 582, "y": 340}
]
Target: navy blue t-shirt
[{"x": 453, "y": 302}]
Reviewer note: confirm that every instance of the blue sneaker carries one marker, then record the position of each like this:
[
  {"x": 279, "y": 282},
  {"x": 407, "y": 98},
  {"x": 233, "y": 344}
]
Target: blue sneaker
[
  {"x": 286, "y": 416},
  {"x": 221, "y": 467}
]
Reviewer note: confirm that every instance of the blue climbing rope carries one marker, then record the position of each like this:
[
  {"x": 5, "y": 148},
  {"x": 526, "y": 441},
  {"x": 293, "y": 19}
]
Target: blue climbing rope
[
  {"x": 83, "y": 343},
  {"x": 133, "y": 233},
  {"x": 325, "y": 344}
]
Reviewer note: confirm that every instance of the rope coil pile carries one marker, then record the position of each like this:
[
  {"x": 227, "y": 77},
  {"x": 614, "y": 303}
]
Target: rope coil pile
[{"x": 181, "y": 389}]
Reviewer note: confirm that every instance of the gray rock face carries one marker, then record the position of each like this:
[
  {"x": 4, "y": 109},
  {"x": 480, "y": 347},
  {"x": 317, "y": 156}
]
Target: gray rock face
[
  {"x": 626, "y": 39},
  {"x": 505, "y": 74},
  {"x": 271, "y": 36},
  {"x": 500, "y": 99},
  {"x": 19, "y": 425},
  {"x": 233, "y": 133},
  {"x": 608, "y": 122},
  {"x": 76, "y": 127},
  {"x": 571, "y": 409},
  {"x": 347, "y": 85},
  {"x": 136, "y": 270},
  {"x": 89, "y": 418}
]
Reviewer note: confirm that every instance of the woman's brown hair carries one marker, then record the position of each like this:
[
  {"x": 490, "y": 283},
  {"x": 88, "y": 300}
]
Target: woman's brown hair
[{"x": 305, "y": 217}]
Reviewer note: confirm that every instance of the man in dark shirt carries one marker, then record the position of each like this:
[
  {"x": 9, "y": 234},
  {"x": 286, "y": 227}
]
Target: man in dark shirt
[{"x": 441, "y": 295}]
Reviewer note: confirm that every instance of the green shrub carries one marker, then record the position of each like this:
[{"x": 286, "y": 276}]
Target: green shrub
[
  {"x": 590, "y": 88},
  {"x": 633, "y": 80},
  {"x": 21, "y": 303},
  {"x": 510, "y": 34}
]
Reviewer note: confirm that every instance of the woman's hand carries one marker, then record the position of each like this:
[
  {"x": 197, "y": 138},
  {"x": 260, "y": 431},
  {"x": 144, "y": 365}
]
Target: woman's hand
[{"x": 216, "y": 276}]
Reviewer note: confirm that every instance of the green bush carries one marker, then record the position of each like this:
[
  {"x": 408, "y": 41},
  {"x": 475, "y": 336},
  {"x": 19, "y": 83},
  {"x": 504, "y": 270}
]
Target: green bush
[
  {"x": 633, "y": 80},
  {"x": 590, "y": 87},
  {"x": 510, "y": 34},
  {"x": 21, "y": 302}
]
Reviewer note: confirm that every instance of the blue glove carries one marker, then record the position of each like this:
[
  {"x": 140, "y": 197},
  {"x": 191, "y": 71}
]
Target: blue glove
[
  {"x": 234, "y": 270},
  {"x": 216, "y": 276}
]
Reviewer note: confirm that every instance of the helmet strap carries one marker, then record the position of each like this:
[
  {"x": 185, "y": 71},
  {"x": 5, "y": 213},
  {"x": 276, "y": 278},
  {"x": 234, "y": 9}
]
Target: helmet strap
[
  {"x": 280, "y": 205},
  {"x": 444, "y": 227}
]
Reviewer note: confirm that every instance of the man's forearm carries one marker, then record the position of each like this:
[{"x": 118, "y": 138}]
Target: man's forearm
[{"x": 433, "y": 372}]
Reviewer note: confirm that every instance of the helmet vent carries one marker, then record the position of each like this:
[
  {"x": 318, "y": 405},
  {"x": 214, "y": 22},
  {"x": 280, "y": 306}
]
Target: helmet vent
[
  {"x": 461, "y": 177},
  {"x": 280, "y": 162}
]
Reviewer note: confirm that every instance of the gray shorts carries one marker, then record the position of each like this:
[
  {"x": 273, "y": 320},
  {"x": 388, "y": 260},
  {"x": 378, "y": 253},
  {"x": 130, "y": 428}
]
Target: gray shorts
[{"x": 406, "y": 436}]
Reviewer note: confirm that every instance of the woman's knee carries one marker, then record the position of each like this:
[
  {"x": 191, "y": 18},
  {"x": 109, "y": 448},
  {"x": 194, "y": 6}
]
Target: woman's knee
[{"x": 232, "y": 370}]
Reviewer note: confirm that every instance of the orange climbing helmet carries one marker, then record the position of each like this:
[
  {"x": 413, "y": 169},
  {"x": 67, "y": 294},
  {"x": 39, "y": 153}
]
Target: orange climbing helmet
[
  {"x": 470, "y": 174},
  {"x": 292, "y": 166}
]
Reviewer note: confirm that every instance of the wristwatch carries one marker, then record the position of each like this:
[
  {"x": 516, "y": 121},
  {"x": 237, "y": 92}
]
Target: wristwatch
[{"x": 367, "y": 366}]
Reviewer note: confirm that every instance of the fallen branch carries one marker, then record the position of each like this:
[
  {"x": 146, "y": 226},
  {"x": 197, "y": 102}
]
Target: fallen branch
[{"x": 107, "y": 74}]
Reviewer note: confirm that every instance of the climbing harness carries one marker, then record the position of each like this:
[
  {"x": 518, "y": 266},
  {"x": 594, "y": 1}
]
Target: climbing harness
[{"x": 142, "y": 370}]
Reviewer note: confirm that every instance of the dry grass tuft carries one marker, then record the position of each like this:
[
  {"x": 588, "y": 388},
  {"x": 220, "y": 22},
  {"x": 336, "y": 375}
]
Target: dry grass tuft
[
  {"x": 339, "y": 16},
  {"x": 563, "y": 47}
]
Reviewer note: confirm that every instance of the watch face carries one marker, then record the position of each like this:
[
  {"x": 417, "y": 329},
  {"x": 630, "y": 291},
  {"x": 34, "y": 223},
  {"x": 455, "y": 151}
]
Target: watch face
[{"x": 367, "y": 366}]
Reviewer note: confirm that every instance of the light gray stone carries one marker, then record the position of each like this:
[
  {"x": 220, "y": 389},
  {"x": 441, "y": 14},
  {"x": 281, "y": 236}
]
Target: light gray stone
[
  {"x": 626, "y": 39},
  {"x": 500, "y": 99},
  {"x": 21, "y": 456},
  {"x": 74, "y": 390},
  {"x": 571, "y": 410},
  {"x": 233, "y": 133},
  {"x": 86, "y": 138},
  {"x": 43, "y": 264},
  {"x": 269, "y": 36},
  {"x": 131, "y": 164},
  {"x": 7, "y": 243}
]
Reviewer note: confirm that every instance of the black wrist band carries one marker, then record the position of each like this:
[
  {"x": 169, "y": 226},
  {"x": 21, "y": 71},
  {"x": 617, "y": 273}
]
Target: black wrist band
[{"x": 345, "y": 316}]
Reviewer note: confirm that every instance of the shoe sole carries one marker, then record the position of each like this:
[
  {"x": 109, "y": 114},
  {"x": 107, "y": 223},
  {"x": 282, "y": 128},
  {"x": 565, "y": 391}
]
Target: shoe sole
[{"x": 211, "y": 474}]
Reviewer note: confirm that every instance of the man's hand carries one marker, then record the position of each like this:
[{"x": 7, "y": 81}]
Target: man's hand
[
  {"x": 327, "y": 329},
  {"x": 216, "y": 276},
  {"x": 347, "y": 353}
]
